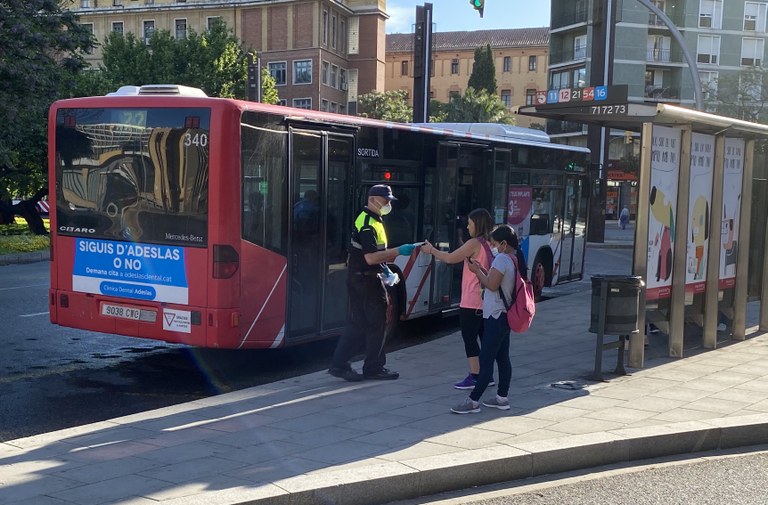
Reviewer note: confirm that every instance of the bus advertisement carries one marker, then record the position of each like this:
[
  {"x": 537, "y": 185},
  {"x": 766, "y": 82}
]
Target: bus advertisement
[{"x": 224, "y": 223}]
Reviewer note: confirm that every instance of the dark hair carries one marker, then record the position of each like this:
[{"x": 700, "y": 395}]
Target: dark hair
[
  {"x": 505, "y": 233},
  {"x": 482, "y": 220}
]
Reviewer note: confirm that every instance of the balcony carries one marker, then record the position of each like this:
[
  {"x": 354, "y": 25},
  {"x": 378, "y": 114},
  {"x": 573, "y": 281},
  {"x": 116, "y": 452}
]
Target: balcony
[
  {"x": 655, "y": 21},
  {"x": 662, "y": 93},
  {"x": 568, "y": 55},
  {"x": 658, "y": 56},
  {"x": 570, "y": 18}
]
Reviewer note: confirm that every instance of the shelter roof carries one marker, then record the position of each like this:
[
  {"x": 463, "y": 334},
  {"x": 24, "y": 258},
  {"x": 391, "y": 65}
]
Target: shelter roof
[{"x": 638, "y": 113}]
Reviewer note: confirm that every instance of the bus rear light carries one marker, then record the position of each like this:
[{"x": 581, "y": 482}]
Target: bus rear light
[
  {"x": 64, "y": 301},
  {"x": 235, "y": 320},
  {"x": 225, "y": 261},
  {"x": 196, "y": 317}
]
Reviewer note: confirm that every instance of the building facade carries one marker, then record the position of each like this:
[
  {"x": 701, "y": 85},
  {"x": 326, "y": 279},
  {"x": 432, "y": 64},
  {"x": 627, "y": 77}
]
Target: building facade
[
  {"x": 725, "y": 38},
  {"x": 322, "y": 53},
  {"x": 520, "y": 58}
]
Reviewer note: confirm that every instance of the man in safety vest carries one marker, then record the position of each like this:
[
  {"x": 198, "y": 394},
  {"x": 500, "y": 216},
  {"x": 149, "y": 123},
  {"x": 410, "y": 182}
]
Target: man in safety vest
[{"x": 368, "y": 299}]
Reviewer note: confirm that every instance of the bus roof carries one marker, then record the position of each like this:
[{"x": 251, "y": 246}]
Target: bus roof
[{"x": 164, "y": 95}]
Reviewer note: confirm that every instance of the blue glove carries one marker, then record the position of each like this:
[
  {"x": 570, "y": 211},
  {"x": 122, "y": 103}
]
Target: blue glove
[{"x": 405, "y": 249}]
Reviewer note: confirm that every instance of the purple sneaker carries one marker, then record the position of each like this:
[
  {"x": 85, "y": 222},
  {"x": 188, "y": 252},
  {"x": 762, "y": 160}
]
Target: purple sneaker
[{"x": 467, "y": 383}]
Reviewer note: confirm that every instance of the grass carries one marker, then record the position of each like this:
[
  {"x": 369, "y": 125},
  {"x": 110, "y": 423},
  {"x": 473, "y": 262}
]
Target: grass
[{"x": 16, "y": 238}]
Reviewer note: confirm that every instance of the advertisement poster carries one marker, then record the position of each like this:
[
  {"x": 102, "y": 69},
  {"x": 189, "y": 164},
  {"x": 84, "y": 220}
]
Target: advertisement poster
[
  {"x": 130, "y": 270},
  {"x": 665, "y": 169},
  {"x": 699, "y": 207},
  {"x": 733, "y": 174},
  {"x": 520, "y": 209}
]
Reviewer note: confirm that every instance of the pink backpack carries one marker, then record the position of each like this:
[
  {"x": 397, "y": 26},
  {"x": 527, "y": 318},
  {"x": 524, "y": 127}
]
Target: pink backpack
[{"x": 522, "y": 309}]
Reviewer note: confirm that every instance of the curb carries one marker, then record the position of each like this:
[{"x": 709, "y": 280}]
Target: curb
[
  {"x": 395, "y": 481},
  {"x": 30, "y": 257}
]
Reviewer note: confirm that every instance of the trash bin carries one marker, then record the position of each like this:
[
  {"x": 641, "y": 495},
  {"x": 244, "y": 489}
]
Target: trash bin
[{"x": 621, "y": 305}]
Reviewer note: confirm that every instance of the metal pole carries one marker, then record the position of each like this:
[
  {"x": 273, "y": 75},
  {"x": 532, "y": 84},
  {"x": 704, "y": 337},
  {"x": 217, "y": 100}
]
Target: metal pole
[
  {"x": 712, "y": 290},
  {"x": 741, "y": 291},
  {"x": 677, "y": 295},
  {"x": 640, "y": 259}
]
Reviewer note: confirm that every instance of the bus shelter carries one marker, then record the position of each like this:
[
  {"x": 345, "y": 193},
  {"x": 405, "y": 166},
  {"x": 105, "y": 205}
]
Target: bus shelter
[{"x": 701, "y": 230}]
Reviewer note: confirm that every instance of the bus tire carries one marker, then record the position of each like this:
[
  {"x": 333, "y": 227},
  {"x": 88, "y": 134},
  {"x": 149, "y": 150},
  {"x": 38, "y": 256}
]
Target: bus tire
[{"x": 538, "y": 277}]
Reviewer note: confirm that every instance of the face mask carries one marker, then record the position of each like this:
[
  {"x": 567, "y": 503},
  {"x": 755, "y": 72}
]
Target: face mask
[
  {"x": 495, "y": 251},
  {"x": 386, "y": 209}
]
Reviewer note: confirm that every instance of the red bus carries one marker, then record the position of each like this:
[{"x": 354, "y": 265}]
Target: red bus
[{"x": 224, "y": 223}]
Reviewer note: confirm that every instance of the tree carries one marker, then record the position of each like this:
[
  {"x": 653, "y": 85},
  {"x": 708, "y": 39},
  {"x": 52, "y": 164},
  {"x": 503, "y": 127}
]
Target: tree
[
  {"x": 483, "y": 75},
  {"x": 478, "y": 107},
  {"x": 41, "y": 49},
  {"x": 213, "y": 61},
  {"x": 741, "y": 95},
  {"x": 389, "y": 106},
  {"x": 268, "y": 88}
]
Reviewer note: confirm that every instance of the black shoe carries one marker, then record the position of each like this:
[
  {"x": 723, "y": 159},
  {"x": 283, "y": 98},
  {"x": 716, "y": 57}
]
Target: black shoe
[
  {"x": 345, "y": 373},
  {"x": 385, "y": 374}
]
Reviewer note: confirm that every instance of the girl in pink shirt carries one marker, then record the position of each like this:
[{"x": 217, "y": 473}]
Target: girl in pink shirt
[{"x": 471, "y": 305}]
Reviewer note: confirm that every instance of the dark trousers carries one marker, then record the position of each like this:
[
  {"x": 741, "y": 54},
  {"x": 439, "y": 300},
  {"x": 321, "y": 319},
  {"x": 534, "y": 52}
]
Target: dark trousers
[
  {"x": 367, "y": 326},
  {"x": 495, "y": 348},
  {"x": 471, "y": 323}
]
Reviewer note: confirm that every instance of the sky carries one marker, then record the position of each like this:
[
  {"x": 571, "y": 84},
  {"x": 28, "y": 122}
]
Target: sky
[{"x": 458, "y": 15}]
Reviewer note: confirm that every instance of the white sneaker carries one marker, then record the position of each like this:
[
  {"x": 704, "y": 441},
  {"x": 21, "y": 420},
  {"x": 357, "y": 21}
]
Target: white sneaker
[
  {"x": 466, "y": 407},
  {"x": 496, "y": 403}
]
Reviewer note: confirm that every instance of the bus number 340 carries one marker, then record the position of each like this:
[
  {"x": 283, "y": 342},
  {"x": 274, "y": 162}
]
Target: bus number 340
[{"x": 197, "y": 140}]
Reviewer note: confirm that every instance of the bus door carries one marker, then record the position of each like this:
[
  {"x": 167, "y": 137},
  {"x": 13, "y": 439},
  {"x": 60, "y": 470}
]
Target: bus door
[
  {"x": 462, "y": 182},
  {"x": 574, "y": 230},
  {"x": 321, "y": 171}
]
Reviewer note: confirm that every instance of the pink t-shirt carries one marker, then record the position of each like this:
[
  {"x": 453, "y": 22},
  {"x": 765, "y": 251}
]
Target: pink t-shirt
[{"x": 471, "y": 290}]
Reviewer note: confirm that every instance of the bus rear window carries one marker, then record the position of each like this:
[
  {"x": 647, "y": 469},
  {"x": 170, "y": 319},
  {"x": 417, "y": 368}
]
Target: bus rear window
[{"x": 138, "y": 175}]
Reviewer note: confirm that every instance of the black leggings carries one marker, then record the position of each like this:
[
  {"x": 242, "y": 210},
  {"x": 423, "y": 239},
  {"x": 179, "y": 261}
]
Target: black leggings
[{"x": 471, "y": 321}]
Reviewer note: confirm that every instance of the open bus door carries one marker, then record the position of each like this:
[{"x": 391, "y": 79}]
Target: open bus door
[
  {"x": 462, "y": 183},
  {"x": 321, "y": 172},
  {"x": 575, "y": 223}
]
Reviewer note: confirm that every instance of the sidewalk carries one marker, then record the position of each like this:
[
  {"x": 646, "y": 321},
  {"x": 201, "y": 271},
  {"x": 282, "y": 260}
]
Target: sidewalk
[
  {"x": 316, "y": 439},
  {"x": 615, "y": 237}
]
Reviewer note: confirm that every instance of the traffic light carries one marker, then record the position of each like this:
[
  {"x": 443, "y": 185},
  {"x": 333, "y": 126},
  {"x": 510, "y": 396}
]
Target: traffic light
[{"x": 478, "y": 5}]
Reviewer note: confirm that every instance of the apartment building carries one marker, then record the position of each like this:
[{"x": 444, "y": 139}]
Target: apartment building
[
  {"x": 322, "y": 53},
  {"x": 520, "y": 57},
  {"x": 722, "y": 37}
]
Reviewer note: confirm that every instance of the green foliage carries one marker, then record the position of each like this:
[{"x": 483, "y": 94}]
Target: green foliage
[
  {"x": 483, "y": 71},
  {"x": 16, "y": 238},
  {"x": 268, "y": 88},
  {"x": 742, "y": 95},
  {"x": 438, "y": 111},
  {"x": 212, "y": 61},
  {"x": 389, "y": 106},
  {"x": 41, "y": 48},
  {"x": 478, "y": 107}
]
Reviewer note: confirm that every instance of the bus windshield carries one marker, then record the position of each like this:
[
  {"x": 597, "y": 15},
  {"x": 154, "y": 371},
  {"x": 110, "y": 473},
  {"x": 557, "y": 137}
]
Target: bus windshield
[{"x": 133, "y": 174}]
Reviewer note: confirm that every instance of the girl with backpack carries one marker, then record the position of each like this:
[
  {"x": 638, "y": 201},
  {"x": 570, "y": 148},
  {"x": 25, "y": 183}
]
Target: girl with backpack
[
  {"x": 471, "y": 304},
  {"x": 500, "y": 277}
]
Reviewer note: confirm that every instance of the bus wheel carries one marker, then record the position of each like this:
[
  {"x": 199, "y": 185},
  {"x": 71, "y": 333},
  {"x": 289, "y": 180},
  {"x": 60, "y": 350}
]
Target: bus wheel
[{"x": 538, "y": 278}]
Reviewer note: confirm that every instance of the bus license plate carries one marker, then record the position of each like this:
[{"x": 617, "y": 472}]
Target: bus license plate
[{"x": 107, "y": 309}]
